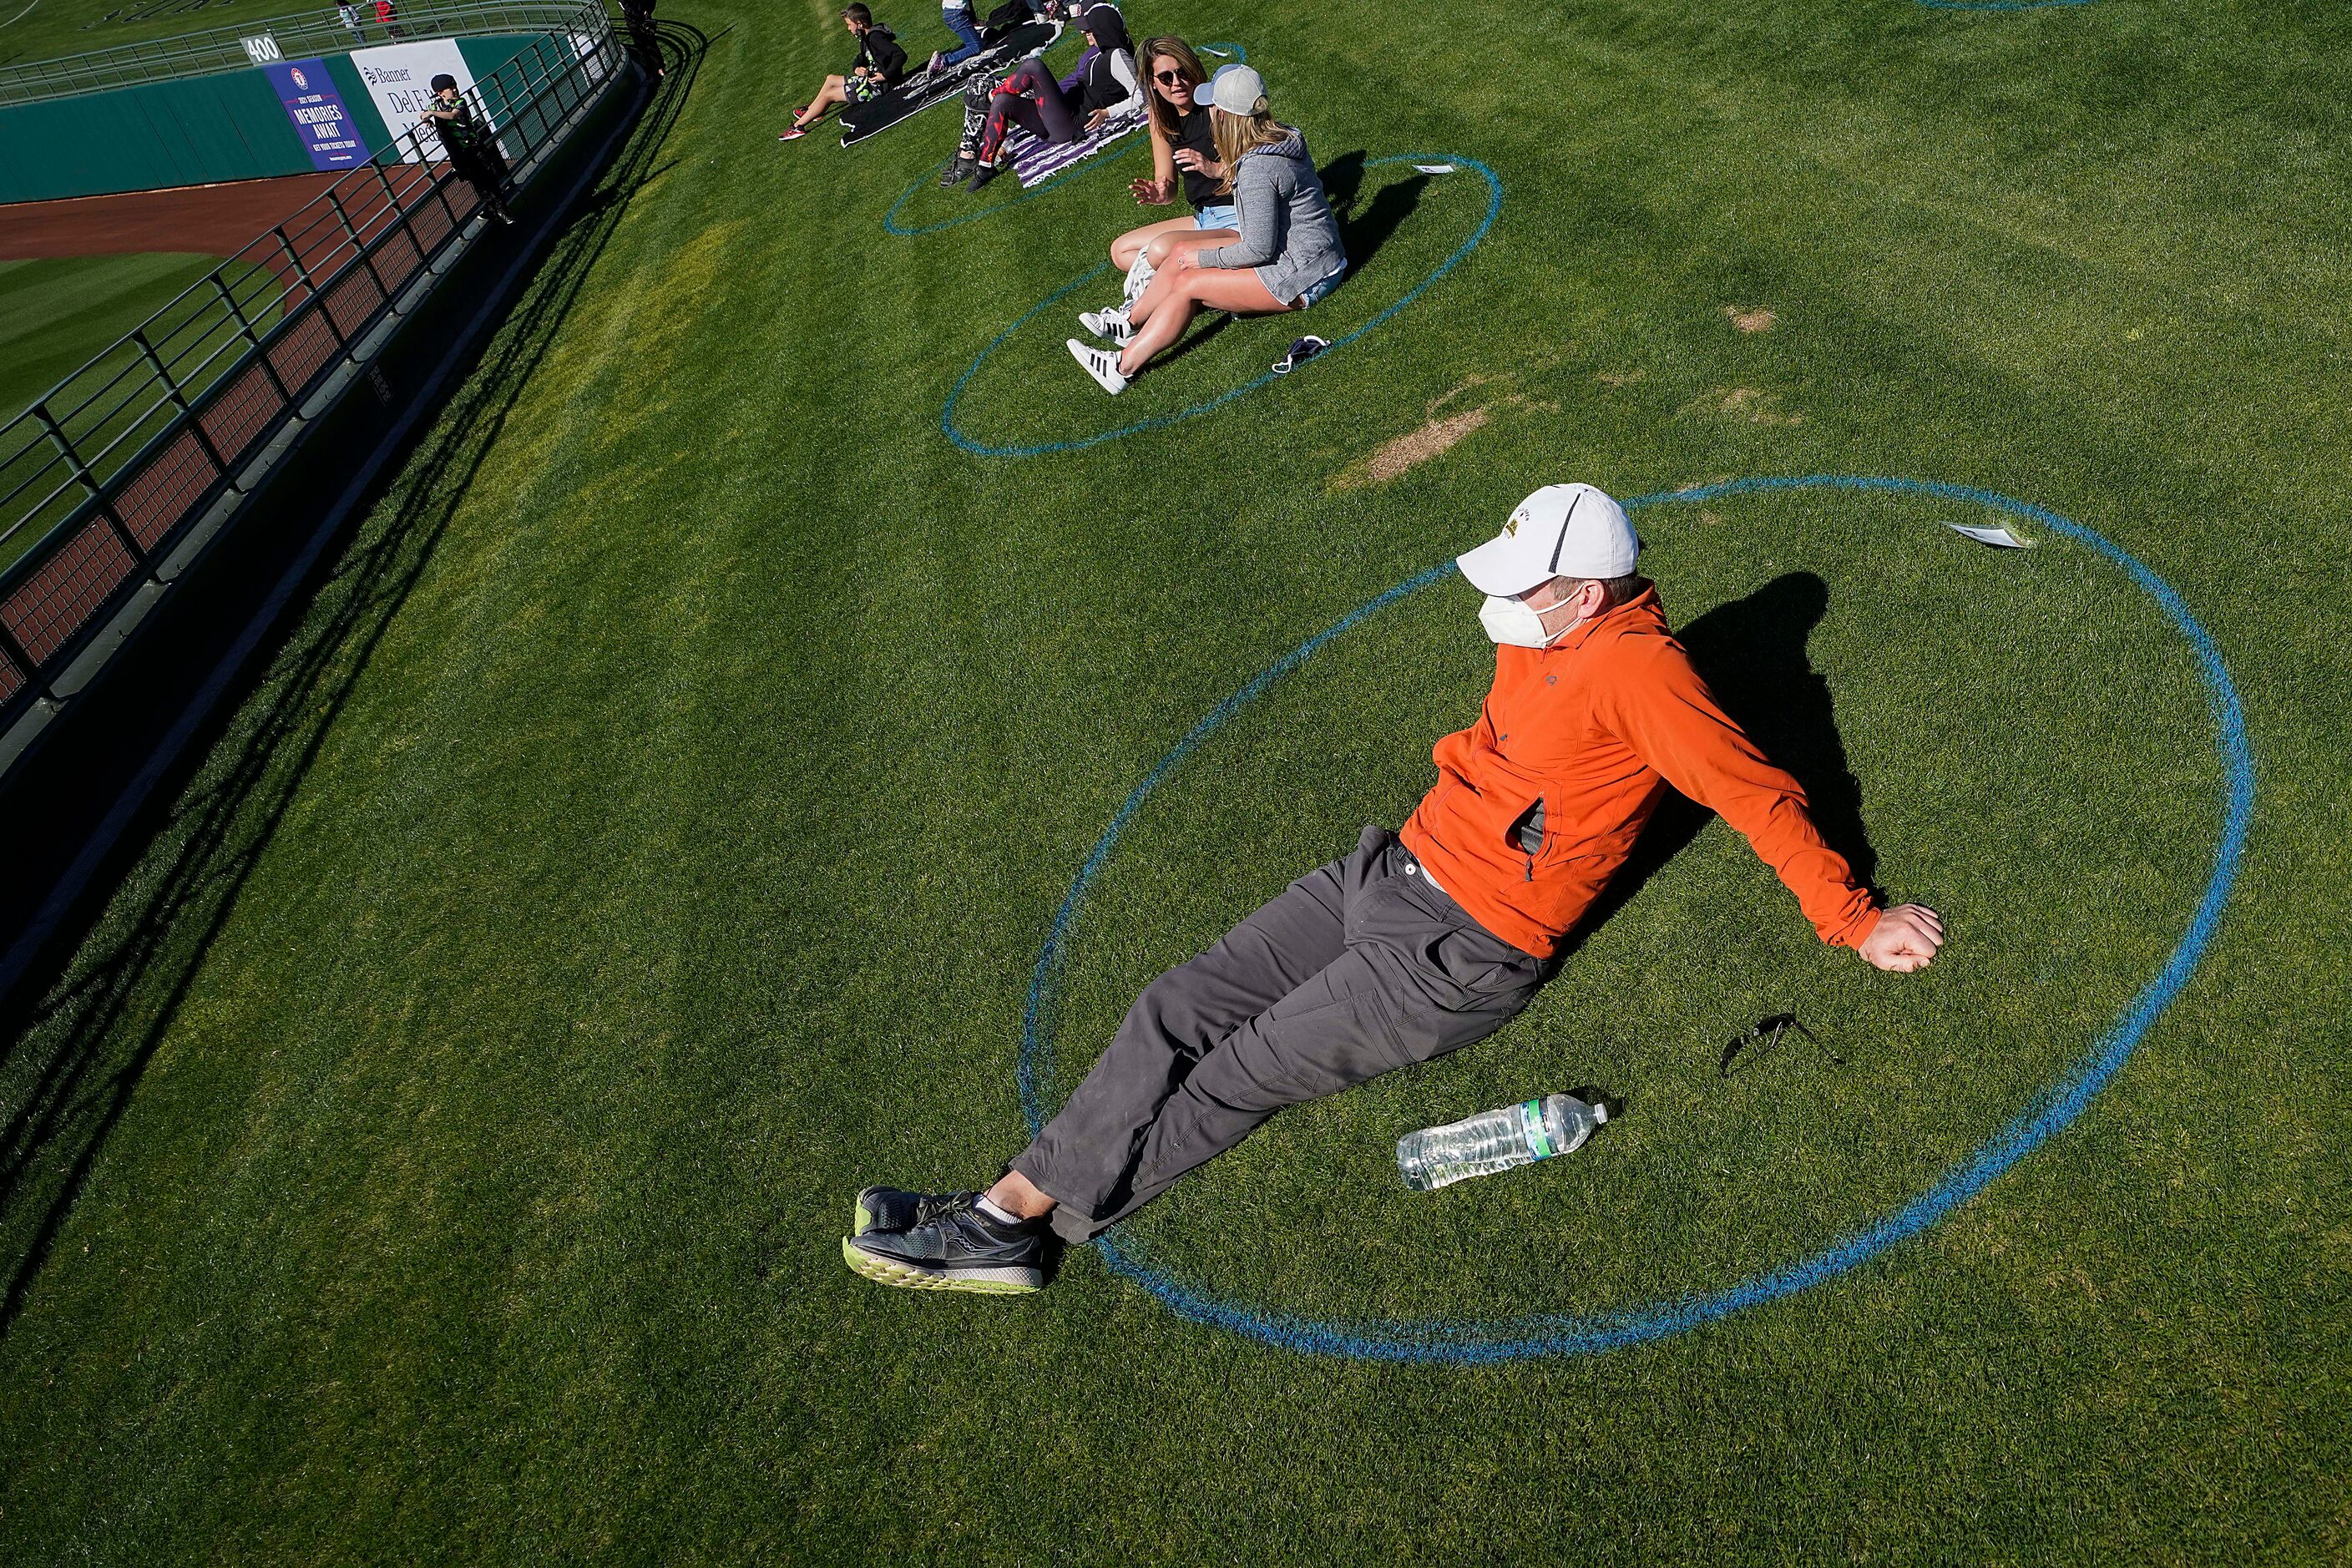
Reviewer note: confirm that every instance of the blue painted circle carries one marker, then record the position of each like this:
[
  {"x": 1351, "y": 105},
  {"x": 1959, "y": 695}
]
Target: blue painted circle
[
  {"x": 891, "y": 218},
  {"x": 979, "y": 449},
  {"x": 2056, "y": 1106}
]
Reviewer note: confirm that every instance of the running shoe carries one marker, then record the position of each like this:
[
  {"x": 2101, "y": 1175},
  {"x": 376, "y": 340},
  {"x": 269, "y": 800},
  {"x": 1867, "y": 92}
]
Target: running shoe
[
  {"x": 794, "y": 134},
  {"x": 1103, "y": 367},
  {"x": 1111, "y": 326},
  {"x": 957, "y": 170},
  {"x": 963, "y": 1249},
  {"x": 982, "y": 174},
  {"x": 889, "y": 1208}
]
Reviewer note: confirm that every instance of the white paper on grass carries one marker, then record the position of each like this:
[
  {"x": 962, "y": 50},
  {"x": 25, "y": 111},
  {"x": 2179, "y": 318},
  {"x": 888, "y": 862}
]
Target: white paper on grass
[
  {"x": 1435, "y": 168},
  {"x": 1995, "y": 535},
  {"x": 1220, "y": 54}
]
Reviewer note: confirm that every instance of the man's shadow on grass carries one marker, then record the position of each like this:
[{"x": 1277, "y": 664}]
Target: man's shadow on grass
[
  {"x": 1751, "y": 653},
  {"x": 75, "y": 1040}
]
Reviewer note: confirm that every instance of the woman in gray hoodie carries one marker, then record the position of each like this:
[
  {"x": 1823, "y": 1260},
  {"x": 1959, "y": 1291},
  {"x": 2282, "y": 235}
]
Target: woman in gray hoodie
[{"x": 1288, "y": 256}]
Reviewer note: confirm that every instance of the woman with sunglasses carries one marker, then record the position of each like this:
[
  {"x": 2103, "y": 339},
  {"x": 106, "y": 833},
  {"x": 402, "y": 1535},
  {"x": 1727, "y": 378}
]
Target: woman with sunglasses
[
  {"x": 1286, "y": 254},
  {"x": 1183, "y": 151}
]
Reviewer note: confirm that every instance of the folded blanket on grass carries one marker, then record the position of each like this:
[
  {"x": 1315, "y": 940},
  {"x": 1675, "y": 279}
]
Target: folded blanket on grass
[{"x": 1036, "y": 159}]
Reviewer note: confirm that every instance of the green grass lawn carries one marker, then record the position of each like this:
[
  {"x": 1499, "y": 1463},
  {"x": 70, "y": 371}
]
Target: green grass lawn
[
  {"x": 440, "y": 1147},
  {"x": 64, "y": 326},
  {"x": 56, "y": 315}
]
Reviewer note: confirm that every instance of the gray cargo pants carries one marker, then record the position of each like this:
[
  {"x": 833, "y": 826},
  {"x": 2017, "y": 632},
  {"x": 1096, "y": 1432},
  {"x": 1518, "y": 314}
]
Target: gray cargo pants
[{"x": 1357, "y": 968}]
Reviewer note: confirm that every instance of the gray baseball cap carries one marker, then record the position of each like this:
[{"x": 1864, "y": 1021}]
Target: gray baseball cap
[{"x": 1236, "y": 89}]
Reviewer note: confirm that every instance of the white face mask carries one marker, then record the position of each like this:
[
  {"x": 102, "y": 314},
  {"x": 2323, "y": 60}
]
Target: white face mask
[{"x": 1514, "y": 622}]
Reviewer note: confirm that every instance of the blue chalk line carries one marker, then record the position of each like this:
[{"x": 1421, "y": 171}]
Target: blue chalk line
[
  {"x": 947, "y": 412},
  {"x": 2051, "y": 1111},
  {"x": 891, "y": 218}
]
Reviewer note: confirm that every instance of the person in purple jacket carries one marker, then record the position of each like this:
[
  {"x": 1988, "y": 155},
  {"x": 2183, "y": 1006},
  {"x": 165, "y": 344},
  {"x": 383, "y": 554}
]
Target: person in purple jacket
[{"x": 1104, "y": 85}]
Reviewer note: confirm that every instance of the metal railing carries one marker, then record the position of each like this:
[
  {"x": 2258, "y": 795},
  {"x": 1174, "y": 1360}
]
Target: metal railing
[
  {"x": 316, "y": 31},
  {"x": 104, "y": 478}
]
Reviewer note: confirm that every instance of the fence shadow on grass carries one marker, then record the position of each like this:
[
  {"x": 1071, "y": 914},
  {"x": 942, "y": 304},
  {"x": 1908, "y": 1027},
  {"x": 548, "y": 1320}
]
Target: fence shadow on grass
[
  {"x": 1751, "y": 653},
  {"x": 70, "y": 1063}
]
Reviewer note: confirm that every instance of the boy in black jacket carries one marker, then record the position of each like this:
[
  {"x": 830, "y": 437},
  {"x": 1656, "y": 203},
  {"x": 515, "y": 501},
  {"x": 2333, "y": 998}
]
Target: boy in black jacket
[
  {"x": 880, "y": 64},
  {"x": 474, "y": 155}
]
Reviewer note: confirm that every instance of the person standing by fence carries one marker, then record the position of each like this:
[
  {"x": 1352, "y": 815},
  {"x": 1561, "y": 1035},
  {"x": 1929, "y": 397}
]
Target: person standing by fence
[
  {"x": 638, "y": 16},
  {"x": 348, "y": 14},
  {"x": 474, "y": 154}
]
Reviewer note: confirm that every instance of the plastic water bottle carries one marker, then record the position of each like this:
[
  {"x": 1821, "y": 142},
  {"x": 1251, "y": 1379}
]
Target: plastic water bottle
[{"x": 1496, "y": 1140}]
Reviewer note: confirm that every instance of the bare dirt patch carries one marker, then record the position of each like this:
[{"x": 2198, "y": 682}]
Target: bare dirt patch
[
  {"x": 1618, "y": 377},
  {"x": 1759, "y": 320},
  {"x": 1439, "y": 432},
  {"x": 1413, "y": 448}
]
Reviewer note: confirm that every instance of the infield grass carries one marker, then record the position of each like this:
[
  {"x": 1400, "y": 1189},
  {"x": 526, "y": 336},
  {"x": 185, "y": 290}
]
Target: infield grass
[{"x": 440, "y": 1147}]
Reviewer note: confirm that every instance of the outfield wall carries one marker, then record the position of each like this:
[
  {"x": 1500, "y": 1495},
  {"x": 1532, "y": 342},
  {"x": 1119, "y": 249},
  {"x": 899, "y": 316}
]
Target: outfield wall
[{"x": 197, "y": 131}]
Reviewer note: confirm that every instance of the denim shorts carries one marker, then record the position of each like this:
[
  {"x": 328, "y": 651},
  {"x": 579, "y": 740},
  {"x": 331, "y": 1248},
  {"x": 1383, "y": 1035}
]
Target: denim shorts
[
  {"x": 1224, "y": 217},
  {"x": 1315, "y": 292}
]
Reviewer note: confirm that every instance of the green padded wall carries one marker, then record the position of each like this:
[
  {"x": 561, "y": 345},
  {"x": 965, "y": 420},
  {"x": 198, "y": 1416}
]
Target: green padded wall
[{"x": 193, "y": 132}]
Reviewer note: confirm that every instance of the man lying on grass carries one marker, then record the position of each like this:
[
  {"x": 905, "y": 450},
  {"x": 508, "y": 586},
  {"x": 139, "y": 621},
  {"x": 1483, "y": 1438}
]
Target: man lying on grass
[{"x": 1418, "y": 942}]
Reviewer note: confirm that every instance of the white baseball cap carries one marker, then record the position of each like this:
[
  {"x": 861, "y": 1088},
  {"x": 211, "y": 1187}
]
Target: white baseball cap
[
  {"x": 1561, "y": 531},
  {"x": 1235, "y": 89}
]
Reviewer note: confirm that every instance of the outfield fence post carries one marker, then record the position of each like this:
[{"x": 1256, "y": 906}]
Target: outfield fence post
[
  {"x": 180, "y": 401},
  {"x": 253, "y": 340},
  {"x": 294, "y": 257},
  {"x": 398, "y": 223},
  {"x": 366, "y": 260},
  {"x": 89, "y": 482}
]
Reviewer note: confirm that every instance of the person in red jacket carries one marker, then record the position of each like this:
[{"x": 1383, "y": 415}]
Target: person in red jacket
[{"x": 1420, "y": 941}]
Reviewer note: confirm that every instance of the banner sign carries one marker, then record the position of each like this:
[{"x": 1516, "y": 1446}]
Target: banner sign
[
  {"x": 318, "y": 113},
  {"x": 399, "y": 77}
]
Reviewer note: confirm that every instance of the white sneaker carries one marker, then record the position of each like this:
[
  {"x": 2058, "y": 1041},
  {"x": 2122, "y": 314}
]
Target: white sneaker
[
  {"x": 1111, "y": 326},
  {"x": 1102, "y": 366},
  {"x": 1138, "y": 276}
]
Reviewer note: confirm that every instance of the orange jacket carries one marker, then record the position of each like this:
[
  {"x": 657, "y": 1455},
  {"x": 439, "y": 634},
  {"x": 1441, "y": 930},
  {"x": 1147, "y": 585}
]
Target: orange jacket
[{"x": 1595, "y": 728}]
